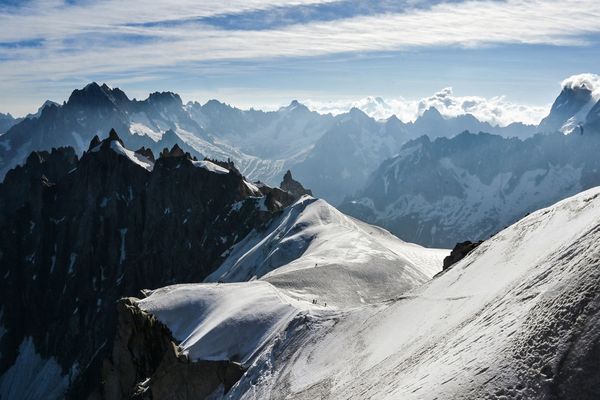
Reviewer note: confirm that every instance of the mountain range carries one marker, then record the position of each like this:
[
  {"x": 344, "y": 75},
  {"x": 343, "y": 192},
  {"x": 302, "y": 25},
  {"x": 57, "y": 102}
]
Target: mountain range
[
  {"x": 469, "y": 187},
  {"x": 86, "y": 231},
  {"x": 437, "y": 192},
  {"x": 299, "y": 300},
  {"x": 351, "y": 159},
  {"x": 333, "y": 155}
]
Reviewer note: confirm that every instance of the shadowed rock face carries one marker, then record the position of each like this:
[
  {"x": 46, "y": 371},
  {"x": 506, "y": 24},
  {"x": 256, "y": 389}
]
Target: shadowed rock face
[
  {"x": 78, "y": 234},
  {"x": 145, "y": 362}
]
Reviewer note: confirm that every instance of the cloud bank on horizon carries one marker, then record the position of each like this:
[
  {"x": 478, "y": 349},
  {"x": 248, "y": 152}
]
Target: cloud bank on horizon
[
  {"x": 47, "y": 46},
  {"x": 496, "y": 110}
]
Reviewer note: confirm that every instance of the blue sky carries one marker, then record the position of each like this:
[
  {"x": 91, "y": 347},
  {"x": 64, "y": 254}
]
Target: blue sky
[{"x": 264, "y": 53}]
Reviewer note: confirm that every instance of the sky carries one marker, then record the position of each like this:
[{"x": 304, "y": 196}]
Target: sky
[{"x": 508, "y": 57}]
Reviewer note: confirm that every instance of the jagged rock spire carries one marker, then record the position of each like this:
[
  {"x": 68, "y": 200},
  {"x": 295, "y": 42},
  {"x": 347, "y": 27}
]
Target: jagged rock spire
[
  {"x": 95, "y": 142},
  {"x": 175, "y": 151},
  {"x": 293, "y": 187},
  {"x": 112, "y": 135},
  {"x": 146, "y": 152}
]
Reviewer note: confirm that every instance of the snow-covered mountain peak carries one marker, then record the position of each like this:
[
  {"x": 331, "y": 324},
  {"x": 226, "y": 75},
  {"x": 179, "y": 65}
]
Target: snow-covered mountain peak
[
  {"x": 584, "y": 82},
  {"x": 114, "y": 143},
  {"x": 295, "y": 106},
  {"x": 570, "y": 109},
  {"x": 314, "y": 251}
]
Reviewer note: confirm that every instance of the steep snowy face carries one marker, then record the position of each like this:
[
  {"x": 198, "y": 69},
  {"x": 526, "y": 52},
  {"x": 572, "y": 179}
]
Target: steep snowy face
[
  {"x": 313, "y": 251},
  {"x": 306, "y": 265},
  {"x": 570, "y": 110},
  {"x": 517, "y": 318},
  {"x": 437, "y": 193}
]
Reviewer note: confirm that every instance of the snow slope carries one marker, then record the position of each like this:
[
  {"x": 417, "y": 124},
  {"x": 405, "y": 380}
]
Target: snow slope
[
  {"x": 210, "y": 166},
  {"x": 517, "y": 318},
  {"x": 313, "y": 251},
  {"x": 220, "y": 321},
  {"x": 133, "y": 156}
]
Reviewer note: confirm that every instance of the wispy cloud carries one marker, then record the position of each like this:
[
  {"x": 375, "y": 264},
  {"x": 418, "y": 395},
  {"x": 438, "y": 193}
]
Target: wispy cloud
[
  {"x": 86, "y": 37},
  {"x": 58, "y": 18}
]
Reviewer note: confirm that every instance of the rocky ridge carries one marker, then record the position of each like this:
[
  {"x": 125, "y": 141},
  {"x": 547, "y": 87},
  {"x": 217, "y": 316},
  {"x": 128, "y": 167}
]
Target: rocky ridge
[{"x": 78, "y": 234}]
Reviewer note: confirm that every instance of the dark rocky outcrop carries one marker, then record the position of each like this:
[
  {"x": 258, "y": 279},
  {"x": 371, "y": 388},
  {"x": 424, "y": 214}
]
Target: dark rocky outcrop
[
  {"x": 145, "y": 362},
  {"x": 76, "y": 235},
  {"x": 146, "y": 152},
  {"x": 459, "y": 252},
  {"x": 176, "y": 151},
  {"x": 293, "y": 187}
]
